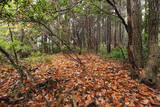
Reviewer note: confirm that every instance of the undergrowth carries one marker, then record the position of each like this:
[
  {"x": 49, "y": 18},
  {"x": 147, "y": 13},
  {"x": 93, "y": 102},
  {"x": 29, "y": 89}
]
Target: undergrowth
[
  {"x": 116, "y": 53},
  {"x": 40, "y": 58}
]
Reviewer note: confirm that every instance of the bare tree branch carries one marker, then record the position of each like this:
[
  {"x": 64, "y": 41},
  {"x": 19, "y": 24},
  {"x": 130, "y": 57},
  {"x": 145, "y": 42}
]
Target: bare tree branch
[
  {"x": 113, "y": 4},
  {"x": 104, "y": 11}
]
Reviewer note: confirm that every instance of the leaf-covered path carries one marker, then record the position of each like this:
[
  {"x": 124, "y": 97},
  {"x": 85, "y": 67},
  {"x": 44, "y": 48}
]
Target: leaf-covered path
[{"x": 62, "y": 82}]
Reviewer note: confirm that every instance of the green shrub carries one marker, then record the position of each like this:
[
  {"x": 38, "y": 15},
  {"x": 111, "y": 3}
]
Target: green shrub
[
  {"x": 65, "y": 49},
  {"x": 56, "y": 50},
  {"x": 42, "y": 58},
  {"x": 83, "y": 50},
  {"x": 36, "y": 54},
  {"x": 102, "y": 50},
  {"x": 117, "y": 54}
]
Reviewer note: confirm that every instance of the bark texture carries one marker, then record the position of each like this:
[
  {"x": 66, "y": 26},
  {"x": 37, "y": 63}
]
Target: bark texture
[
  {"x": 149, "y": 74},
  {"x": 137, "y": 31},
  {"x": 134, "y": 33}
]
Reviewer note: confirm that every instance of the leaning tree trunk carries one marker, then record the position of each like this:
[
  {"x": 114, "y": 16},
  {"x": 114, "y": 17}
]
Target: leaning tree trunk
[
  {"x": 13, "y": 47},
  {"x": 149, "y": 74},
  {"x": 19, "y": 70},
  {"x": 132, "y": 53}
]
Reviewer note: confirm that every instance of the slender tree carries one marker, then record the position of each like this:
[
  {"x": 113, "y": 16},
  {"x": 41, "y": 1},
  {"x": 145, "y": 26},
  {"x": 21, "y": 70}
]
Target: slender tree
[{"x": 108, "y": 35}]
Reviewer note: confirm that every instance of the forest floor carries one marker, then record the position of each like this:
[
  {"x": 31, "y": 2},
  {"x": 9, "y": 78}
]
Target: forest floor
[{"x": 62, "y": 82}]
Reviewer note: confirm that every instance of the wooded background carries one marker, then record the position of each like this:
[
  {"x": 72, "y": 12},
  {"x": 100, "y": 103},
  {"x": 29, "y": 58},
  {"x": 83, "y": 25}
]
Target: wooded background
[{"x": 127, "y": 27}]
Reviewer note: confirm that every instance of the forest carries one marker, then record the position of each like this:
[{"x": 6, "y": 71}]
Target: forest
[{"x": 79, "y": 53}]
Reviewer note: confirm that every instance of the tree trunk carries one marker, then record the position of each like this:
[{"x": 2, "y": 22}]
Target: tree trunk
[
  {"x": 108, "y": 35},
  {"x": 137, "y": 31},
  {"x": 115, "y": 34},
  {"x": 130, "y": 34},
  {"x": 149, "y": 74},
  {"x": 132, "y": 46},
  {"x": 18, "y": 68},
  {"x": 88, "y": 31},
  {"x": 134, "y": 33},
  {"x": 98, "y": 31},
  {"x": 13, "y": 47}
]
